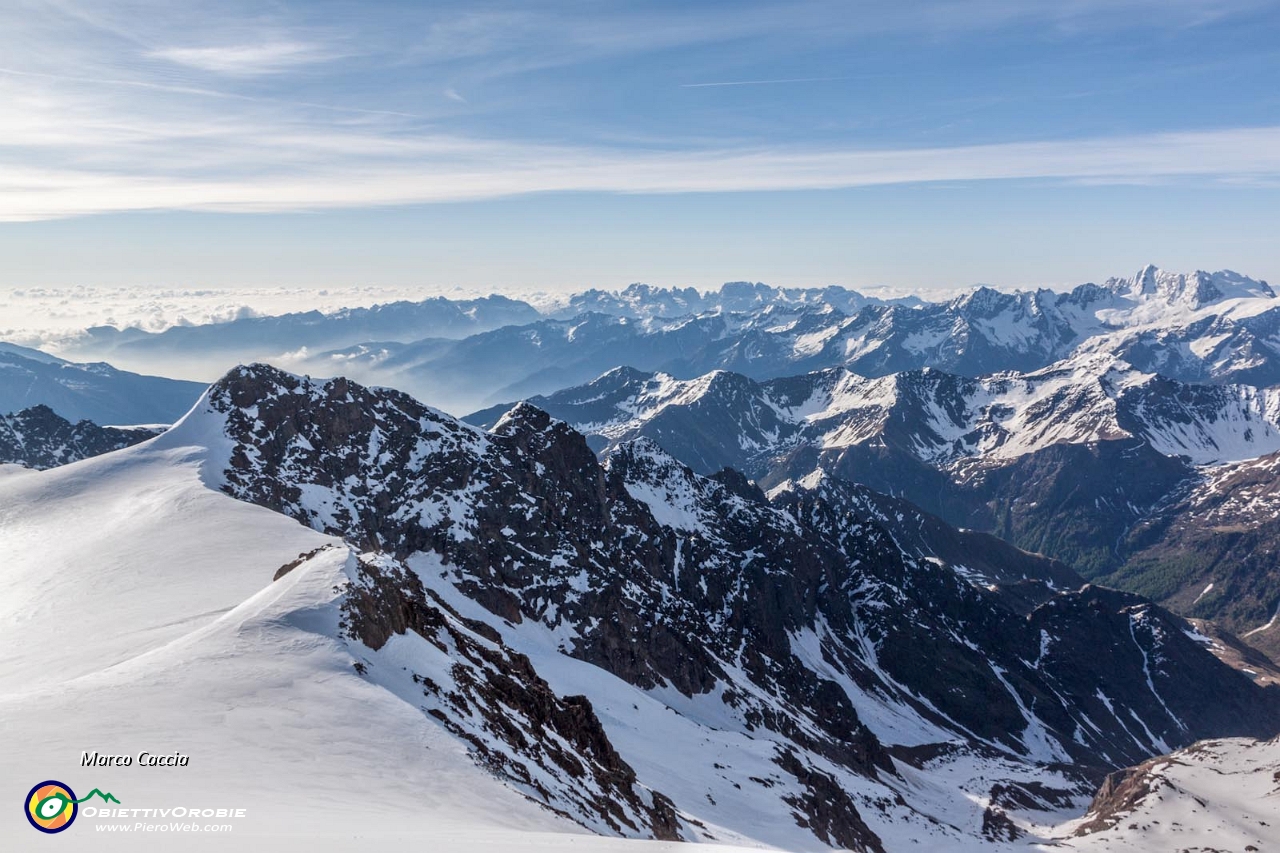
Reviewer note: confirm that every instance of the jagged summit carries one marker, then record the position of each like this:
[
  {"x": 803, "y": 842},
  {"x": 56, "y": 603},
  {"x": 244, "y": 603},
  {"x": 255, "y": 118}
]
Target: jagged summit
[
  {"x": 640, "y": 521},
  {"x": 523, "y": 415},
  {"x": 1194, "y": 290},
  {"x": 39, "y": 438},
  {"x": 933, "y": 415}
]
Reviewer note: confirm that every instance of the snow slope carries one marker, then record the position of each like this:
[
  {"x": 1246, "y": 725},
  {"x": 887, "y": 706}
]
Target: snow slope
[
  {"x": 139, "y": 613},
  {"x": 1214, "y": 795}
]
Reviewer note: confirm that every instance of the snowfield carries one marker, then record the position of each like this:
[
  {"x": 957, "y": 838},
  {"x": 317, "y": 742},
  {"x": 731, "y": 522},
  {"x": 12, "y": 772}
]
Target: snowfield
[{"x": 1216, "y": 795}]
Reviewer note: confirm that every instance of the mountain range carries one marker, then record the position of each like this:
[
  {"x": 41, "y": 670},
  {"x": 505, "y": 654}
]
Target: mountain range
[
  {"x": 97, "y": 392},
  {"x": 620, "y": 644},
  {"x": 1100, "y": 426},
  {"x": 793, "y": 567},
  {"x": 1201, "y": 327},
  {"x": 1131, "y": 478}
]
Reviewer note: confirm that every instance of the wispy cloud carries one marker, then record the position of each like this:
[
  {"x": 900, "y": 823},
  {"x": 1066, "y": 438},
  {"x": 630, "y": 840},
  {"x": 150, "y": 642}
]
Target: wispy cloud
[
  {"x": 299, "y": 172},
  {"x": 247, "y": 59},
  {"x": 761, "y": 82},
  {"x": 279, "y": 112}
]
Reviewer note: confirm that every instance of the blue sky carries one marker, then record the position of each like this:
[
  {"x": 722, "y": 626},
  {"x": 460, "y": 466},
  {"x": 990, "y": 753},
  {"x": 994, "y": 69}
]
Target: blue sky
[{"x": 593, "y": 144}]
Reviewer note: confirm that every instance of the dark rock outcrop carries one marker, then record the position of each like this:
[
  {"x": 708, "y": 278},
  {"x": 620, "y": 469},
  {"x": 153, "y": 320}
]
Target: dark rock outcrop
[
  {"x": 504, "y": 710},
  {"x": 38, "y": 438}
]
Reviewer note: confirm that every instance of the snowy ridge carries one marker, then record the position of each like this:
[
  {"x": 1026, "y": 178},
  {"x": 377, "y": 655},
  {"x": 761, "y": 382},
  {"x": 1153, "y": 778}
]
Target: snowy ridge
[
  {"x": 1201, "y": 327},
  {"x": 1236, "y": 494},
  {"x": 938, "y": 417},
  {"x": 1217, "y": 794},
  {"x": 1118, "y": 472},
  {"x": 1217, "y": 327},
  {"x": 1009, "y": 415},
  {"x": 253, "y": 679}
]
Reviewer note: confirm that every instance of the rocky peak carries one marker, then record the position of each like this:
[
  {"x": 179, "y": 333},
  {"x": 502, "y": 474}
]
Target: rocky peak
[
  {"x": 39, "y": 438},
  {"x": 739, "y": 294},
  {"x": 246, "y": 384},
  {"x": 739, "y": 484},
  {"x": 523, "y": 418},
  {"x": 1194, "y": 290},
  {"x": 985, "y": 301}
]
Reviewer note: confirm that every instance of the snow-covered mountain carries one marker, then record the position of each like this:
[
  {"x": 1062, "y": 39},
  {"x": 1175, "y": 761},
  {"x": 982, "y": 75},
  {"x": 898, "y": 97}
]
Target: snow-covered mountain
[
  {"x": 244, "y": 338},
  {"x": 1214, "y": 328},
  {"x": 643, "y": 301},
  {"x": 1218, "y": 328},
  {"x": 1215, "y": 795},
  {"x": 38, "y": 438},
  {"x": 1120, "y": 473},
  {"x": 130, "y": 584},
  {"x": 190, "y": 350},
  {"x": 512, "y": 635},
  {"x": 96, "y": 392},
  {"x": 938, "y": 418}
]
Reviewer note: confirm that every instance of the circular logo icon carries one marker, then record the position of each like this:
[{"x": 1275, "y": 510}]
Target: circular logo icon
[{"x": 51, "y": 807}]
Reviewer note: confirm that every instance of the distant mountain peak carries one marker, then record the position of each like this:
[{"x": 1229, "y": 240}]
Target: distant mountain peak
[
  {"x": 39, "y": 438},
  {"x": 93, "y": 391},
  {"x": 1193, "y": 290}
]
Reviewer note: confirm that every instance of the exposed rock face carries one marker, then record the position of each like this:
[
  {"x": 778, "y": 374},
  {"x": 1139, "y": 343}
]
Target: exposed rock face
[
  {"x": 786, "y": 616},
  {"x": 550, "y": 746},
  {"x": 826, "y": 809},
  {"x": 546, "y": 532},
  {"x": 938, "y": 630},
  {"x": 1119, "y": 794},
  {"x": 1063, "y": 461},
  {"x": 38, "y": 438},
  {"x": 981, "y": 558}
]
